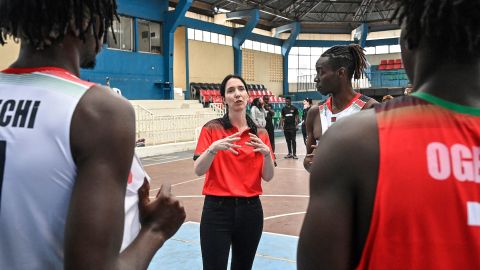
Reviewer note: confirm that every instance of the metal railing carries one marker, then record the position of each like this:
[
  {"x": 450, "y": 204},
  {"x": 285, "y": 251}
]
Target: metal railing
[{"x": 157, "y": 129}]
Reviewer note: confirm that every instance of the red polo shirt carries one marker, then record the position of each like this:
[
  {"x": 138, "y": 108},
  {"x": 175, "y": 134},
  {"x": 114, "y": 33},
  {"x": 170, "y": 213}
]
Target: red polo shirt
[{"x": 232, "y": 175}]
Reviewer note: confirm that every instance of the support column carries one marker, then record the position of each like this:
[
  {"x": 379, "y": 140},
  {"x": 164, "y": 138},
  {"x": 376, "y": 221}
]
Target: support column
[
  {"x": 172, "y": 20},
  {"x": 294, "y": 29}
]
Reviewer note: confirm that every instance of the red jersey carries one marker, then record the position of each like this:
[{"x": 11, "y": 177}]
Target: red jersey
[
  {"x": 427, "y": 205},
  {"x": 232, "y": 175}
]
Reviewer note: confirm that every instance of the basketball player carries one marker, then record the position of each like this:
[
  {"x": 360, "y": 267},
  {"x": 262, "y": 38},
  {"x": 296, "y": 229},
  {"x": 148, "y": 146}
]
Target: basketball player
[
  {"x": 66, "y": 149},
  {"x": 335, "y": 69},
  {"x": 398, "y": 187}
]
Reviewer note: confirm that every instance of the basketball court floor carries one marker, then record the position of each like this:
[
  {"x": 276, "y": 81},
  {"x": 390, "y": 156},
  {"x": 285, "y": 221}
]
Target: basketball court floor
[{"x": 284, "y": 203}]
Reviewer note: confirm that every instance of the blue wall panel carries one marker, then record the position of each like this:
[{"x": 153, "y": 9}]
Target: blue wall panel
[
  {"x": 135, "y": 74},
  {"x": 144, "y": 9}
]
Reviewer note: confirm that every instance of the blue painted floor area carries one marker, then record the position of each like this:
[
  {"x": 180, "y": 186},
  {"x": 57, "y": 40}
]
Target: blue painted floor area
[{"x": 182, "y": 251}]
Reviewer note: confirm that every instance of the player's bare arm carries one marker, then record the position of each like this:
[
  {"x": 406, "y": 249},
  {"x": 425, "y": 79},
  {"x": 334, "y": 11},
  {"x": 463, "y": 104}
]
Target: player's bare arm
[
  {"x": 310, "y": 121},
  {"x": 339, "y": 212},
  {"x": 102, "y": 139}
]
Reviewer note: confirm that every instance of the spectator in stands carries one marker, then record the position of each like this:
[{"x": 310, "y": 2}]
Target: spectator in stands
[
  {"x": 307, "y": 104},
  {"x": 257, "y": 113},
  {"x": 386, "y": 98},
  {"x": 408, "y": 90},
  {"x": 235, "y": 154},
  {"x": 269, "y": 114},
  {"x": 289, "y": 124},
  {"x": 335, "y": 69},
  {"x": 397, "y": 187}
]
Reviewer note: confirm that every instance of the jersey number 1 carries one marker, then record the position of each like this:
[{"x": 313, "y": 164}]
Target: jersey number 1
[{"x": 3, "y": 148}]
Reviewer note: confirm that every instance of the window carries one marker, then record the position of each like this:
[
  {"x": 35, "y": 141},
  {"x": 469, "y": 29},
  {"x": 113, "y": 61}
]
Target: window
[
  {"x": 228, "y": 41},
  {"x": 256, "y": 45},
  {"x": 278, "y": 49},
  {"x": 382, "y": 49},
  {"x": 123, "y": 34},
  {"x": 206, "y": 36},
  {"x": 191, "y": 33},
  {"x": 198, "y": 35},
  {"x": 214, "y": 38},
  {"x": 317, "y": 51},
  {"x": 303, "y": 50},
  {"x": 221, "y": 39},
  {"x": 263, "y": 47},
  {"x": 150, "y": 39},
  {"x": 395, "y": 49},
  {"x": 369, "y": 50},
  {"x": 248, "y": 44},
  {"x": 271, "y": 48}
]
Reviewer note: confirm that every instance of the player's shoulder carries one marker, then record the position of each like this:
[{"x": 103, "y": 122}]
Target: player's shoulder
[{"x": 104, "y": 107}]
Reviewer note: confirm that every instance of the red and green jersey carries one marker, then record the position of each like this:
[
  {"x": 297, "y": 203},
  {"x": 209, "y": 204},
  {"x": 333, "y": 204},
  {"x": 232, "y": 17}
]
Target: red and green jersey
[{"x": 427, "y": 206}]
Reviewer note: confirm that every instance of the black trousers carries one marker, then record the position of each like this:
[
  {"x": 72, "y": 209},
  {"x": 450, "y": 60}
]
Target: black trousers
[
  {"x": 290, "y": 135},
  {"x": 271, "y": 135},
  {"x": 304, "y": 133},
  {"x": 230, "y": 221}
]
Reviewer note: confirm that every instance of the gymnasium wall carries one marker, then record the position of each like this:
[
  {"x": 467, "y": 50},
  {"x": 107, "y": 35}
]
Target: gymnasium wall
[
  {"x": 263, "y": 68},
  {"x": 209, "y": 62}
]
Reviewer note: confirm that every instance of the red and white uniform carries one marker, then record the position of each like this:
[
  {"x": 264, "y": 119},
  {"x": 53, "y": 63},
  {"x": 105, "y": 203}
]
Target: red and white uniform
[
  {"x": 427, "y": 206},
  {"x": 37, "y": 170},
  {"x": 328, "y": 118}
]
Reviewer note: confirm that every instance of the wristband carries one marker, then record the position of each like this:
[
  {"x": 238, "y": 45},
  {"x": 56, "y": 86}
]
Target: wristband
[
  {"x": 213, "y": 153},
  {"x": 267, "y": 154}
]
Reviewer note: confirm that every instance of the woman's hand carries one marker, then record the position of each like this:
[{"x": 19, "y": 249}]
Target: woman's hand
[
  {"x": 226, "y": 144},
  {"x": 258, "y": 145}
]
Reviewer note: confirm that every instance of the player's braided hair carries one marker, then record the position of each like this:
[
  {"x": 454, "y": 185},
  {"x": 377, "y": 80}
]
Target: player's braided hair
[
  {"x": 42, "y": 23},
  {"x": 352, "y": 57}
]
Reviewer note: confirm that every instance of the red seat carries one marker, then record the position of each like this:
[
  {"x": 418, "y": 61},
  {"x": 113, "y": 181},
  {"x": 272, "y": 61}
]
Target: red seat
[
  {"x": 217, "y": 99},
  {"x": 398, "y": 64},
  {"x": 383, "y": 62}
]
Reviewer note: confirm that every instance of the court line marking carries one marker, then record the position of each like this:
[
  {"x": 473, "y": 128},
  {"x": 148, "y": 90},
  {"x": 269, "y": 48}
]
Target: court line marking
[
  {"x": 181, "y": 183},
  {"x": 168, "y": 161},
  {"x": 284, "y": 215}
]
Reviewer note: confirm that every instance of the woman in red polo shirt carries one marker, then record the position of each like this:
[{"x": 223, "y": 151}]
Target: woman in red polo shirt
[{"x": 235, "y": 155}]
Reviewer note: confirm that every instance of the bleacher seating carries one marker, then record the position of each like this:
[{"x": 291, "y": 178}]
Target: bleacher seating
[
  {"x": 390, "y": 73},
  {"x": 210, "y": 92},
  {"x": 390, "y": 64}
]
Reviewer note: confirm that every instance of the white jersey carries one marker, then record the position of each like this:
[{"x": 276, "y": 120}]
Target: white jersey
[
  {"x": 37, "y": 171},
  {"x": 328, "y": 118}
]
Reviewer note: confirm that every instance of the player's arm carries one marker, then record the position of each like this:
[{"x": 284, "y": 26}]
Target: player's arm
[
  {"x": 102, "y": 143},
  {"x": 341, "y": 200},
  {"x": 296, "y": 117},
  {"x": 370, "y": 103},
  {"x": 282, "y": 118},
  {"x": 312, "y": 115}
]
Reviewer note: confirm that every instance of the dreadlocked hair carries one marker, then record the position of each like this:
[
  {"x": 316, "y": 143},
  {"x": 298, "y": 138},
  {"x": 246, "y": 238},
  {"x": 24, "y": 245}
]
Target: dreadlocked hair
[
  {"x": 352, "y": 57},
  {"x": 449, "y": 25},
  {"x": 42, "y": 23}
]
